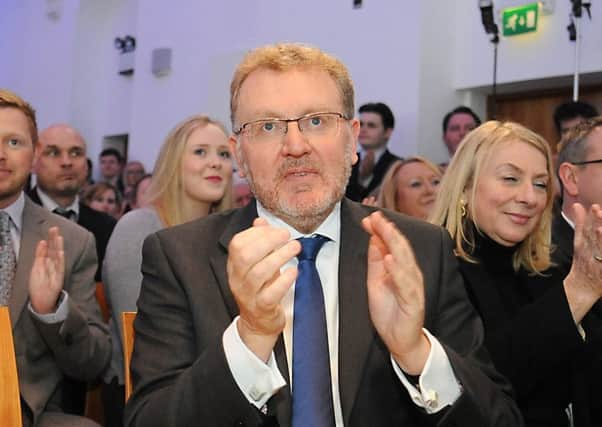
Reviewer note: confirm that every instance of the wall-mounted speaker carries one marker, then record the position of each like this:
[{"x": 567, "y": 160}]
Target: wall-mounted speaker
[{"x": 161, "y": 61}]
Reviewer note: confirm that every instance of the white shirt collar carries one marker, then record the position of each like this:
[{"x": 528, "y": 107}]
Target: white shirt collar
[
  {"x": 330, "y": 227},
  {"x": 566, "y": 218},
  {"x": 378, "y": 153},
  {"x": 51, "y": 205}
]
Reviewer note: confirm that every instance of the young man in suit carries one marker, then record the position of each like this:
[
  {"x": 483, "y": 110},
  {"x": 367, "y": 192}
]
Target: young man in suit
[
  {"x": 376, "y": 329},
  {"x": 61, "y": 169},
  {"x": 456, "y": 124},
  {"x": 376, "y": 126},
  {"x": 47, "y": 285}
]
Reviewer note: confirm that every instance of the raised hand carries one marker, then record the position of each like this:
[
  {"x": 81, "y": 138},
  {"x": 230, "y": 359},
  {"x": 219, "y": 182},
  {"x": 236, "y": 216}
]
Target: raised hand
[
  {"x": 583, "y": 284},
  {"x": 396, "y": 294},
  {"x": 47, "y": 273},
  {"x": 254, "y": 261}
]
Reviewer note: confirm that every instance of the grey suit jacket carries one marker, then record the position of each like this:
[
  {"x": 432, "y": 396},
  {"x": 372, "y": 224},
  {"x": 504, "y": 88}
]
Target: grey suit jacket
[
  {"x": 180, "y": 373},
  {"x": 80, "y": 346}
]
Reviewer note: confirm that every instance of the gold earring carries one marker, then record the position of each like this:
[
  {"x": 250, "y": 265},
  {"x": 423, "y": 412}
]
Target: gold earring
[{"x": 462, "y": 208}]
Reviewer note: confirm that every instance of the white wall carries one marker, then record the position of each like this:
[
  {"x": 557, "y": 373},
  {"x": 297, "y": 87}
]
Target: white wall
[
  {"x": 208, "y": 42},
  {"x": 422, "y": 58},
  {"x": 38, "y": 53},
  {"x": 543, "y": 54}
]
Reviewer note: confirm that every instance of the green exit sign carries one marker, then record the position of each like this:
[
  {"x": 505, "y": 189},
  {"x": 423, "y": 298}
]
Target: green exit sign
[{"x": 520, "y": 19}]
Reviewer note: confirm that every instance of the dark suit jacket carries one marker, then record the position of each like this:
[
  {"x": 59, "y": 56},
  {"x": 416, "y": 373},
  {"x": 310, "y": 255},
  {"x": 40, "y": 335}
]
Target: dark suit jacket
[
  {"x": 562, "y": 240},
  {"x": 99, "y": 224},
  {"x": 80, "y": 346},
  {"x": 588, "y": 368},
  {"x": 180, "y": 372},
  {"x": 355, "y": 191}
]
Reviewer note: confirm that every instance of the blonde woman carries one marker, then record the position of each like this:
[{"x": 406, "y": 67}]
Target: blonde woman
[
  {"x": 191, "y": 179},
  {"x": 410, "y": 187},
  {"x": 496, "y": 202}
]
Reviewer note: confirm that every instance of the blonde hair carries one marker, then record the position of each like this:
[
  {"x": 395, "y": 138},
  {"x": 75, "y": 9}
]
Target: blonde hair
[
  {"x": 463, "y": 174},
  {"x": 287, "y": 56},
  {"x": 387, "y": 196},
  {"x": 9, "y": 99},
  {"x": 165, "y": 192}
]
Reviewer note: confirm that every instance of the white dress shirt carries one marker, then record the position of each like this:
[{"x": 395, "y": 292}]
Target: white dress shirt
[
  {"x": 51, "y": 205},
  {"x": 259, "y": 381}
]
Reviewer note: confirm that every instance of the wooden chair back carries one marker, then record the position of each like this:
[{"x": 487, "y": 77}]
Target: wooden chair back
[
  {"x": 102, "y": 301},
  {"x": 10, "y": 401},
  {"x": 127, "y": 318}
]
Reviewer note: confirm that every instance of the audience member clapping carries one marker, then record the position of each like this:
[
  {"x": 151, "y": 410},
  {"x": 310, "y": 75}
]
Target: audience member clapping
[{"x": 496, "y": 201}]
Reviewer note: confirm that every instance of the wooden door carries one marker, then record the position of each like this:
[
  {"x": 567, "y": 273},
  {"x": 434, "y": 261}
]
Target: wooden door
[{"x": 535, "y": 109}]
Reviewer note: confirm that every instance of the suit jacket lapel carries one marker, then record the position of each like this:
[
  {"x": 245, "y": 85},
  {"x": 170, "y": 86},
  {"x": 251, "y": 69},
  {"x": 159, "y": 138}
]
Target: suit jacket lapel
[
  {"x": 280, "y": 404},
  {"x": 356, "y": 332},
  {"x": 32, "y": 232}
]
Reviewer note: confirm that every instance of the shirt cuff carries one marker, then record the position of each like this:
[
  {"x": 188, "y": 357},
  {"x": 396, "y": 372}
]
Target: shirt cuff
[
  {"x": 59, "y": 315},
  {"x": 257, "y": 380},
  {"x": 438, "y": 386}
]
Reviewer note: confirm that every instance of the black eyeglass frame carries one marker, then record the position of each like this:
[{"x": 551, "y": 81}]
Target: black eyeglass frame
[
  {"x": 586, "y": 162},
  {"x": 238, "y": 131}
]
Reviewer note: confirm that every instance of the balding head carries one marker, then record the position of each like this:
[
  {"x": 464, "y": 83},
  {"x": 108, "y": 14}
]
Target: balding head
[{"x": 60, "y": 164}]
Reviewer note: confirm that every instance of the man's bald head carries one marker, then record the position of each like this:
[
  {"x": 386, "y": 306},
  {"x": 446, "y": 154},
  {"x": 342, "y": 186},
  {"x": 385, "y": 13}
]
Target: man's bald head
[{"x": 60, "y": 164}]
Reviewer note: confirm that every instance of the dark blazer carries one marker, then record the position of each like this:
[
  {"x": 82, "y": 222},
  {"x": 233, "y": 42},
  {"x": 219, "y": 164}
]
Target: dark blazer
[
  {"x": 562, "y": 240},
  {"x": 80, "y": 346},
  {"x": 355, "y": 191},
  {"x": 588, "y": 368},
  {"x": 99, "y": 224},
  {"x": 179, "y": 369}
]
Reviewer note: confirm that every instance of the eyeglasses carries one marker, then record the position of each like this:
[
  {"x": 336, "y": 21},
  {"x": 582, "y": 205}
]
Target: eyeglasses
[
  {"x": 312, "y": 126},
  {"x": 586, "y": 162}
]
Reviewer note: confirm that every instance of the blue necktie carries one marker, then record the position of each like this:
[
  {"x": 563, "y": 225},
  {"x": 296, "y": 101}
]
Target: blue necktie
[{"x": 312, "y": 388}]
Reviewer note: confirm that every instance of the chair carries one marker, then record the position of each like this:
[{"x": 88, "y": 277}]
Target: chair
[
  {"x": 102, "y": 301},
  {"x": 127, "y": 318},
  {"x": 10, "y": 400}
]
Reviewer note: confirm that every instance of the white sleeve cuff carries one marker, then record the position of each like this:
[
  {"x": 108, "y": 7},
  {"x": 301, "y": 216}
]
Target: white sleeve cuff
[
  {"x": 257, "y": 380},
  {"x": 438, "y": 386},
  {"x": 60, "y": 313}
]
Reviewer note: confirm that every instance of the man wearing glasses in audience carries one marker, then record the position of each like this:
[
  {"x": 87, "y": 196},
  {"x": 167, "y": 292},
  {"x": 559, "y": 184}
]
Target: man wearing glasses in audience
[
  {"x": 305, "y": 308},
  {"x": 579, "y": 170}
]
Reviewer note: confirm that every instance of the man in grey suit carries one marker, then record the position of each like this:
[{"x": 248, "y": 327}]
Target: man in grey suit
[
  {"x": 49, "y": 283},
  {"x": 217, "y": 336}
]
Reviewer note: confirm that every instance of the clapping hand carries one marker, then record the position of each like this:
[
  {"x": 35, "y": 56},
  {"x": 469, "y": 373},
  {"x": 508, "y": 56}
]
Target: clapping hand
[
  {"x": 255, "y": 257},
  {"x": 396, "y": 294},
  {"x": 47, "y": 273},
  {"x": 583, "y": 284}
]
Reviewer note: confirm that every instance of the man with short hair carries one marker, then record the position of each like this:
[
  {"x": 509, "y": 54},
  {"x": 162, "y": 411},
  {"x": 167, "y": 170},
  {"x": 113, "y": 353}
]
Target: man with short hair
[
  {"x": 132, "y": 173},
  {"x": 456, "y": 124},
  {"x": 376, "y": 126},
  {"x": 61, "y": 170},
  {"x": 48, "y": 285},
  {"x": 579, "y": 171},
  {"x": 111, "y": 165},
  {"x": 570, "y": 113},
  {"x": 305, "y": 308}
]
